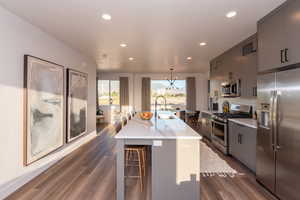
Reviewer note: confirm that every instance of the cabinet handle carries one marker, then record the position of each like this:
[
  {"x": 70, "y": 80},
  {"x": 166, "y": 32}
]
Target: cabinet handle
[
  {"x": 281, "y": 56},
  {"x": 241, "y": 140},
  {"x": 255, "y": 91},
  {"x": 286, "y": 55},
  {"x": 240, "y": 137}
]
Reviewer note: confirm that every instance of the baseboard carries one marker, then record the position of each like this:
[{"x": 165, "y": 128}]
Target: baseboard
[{"x": 13, "y": 185}]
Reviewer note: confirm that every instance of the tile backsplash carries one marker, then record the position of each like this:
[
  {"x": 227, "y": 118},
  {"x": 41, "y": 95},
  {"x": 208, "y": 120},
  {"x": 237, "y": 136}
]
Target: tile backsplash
[{"x": 239, "y": 100}]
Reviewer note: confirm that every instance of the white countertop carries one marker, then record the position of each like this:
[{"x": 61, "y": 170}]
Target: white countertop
[
  {"x": 252, "y": 123},
  {"x": 157, "y": 129},
  {"x": 209, "y": 112}
]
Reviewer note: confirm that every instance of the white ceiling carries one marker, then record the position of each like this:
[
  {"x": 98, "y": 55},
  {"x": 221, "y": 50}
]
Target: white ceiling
[{"x": 159, "y": 33}]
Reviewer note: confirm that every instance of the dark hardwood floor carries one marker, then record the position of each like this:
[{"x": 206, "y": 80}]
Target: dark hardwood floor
[
  {"x": 240, "y": 186},
  {"x": 101, "y": 126},
  {"x": 89, "y": 173}
]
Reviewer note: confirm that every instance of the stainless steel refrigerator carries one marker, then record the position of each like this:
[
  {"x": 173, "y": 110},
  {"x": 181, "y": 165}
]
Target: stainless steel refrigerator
[{"x": 278, "y": 138}]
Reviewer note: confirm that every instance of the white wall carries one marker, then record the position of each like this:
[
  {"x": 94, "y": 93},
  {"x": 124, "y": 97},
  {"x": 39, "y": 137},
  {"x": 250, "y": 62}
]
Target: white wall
[
  {"x": 17, "y": 37},
  {"x": 135, "y": 85}
]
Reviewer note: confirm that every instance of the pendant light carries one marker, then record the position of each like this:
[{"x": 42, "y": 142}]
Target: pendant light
[{"x": 172, "y": 81}]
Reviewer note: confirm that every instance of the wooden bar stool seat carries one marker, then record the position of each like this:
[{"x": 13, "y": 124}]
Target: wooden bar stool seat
[{"x": 139, "y": 162}]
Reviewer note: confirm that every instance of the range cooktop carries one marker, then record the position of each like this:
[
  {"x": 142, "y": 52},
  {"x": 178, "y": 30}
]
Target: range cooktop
[{"x": 225, "y": 116}]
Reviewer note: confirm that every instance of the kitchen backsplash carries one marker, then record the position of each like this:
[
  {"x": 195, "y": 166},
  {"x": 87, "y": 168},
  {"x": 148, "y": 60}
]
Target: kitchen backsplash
[{"x": 239, "y": 100}]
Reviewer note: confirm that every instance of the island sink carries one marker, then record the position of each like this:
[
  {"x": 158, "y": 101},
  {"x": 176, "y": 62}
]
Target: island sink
[{"x": 166, "y": 116}]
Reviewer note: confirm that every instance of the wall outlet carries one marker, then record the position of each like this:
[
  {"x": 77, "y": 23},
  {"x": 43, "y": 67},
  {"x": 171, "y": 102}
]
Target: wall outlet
[{"x": 157, "y": 143}]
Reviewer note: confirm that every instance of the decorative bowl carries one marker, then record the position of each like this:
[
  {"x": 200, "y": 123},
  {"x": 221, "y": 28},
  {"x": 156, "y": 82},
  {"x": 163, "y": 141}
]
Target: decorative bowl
[{"x": 146, "y": 115}]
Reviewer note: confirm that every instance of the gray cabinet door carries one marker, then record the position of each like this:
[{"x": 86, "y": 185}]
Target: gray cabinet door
[
  {"x": 271, "y": 40},
  {"x": 292, "y": 22},
  {"x": 234, "y": 140},
  {"x": 242, "y": 144},
  {"x": 248, "y": 146},
  {"x": 248, "y": 75},
  {"x": 279, "y": 32},
  {"x": 217, "y": 69}
]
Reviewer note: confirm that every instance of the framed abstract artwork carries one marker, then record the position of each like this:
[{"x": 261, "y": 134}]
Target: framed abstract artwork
[
  {"x": 43, "y": 108},
  {"x": 77, "y": 93}
]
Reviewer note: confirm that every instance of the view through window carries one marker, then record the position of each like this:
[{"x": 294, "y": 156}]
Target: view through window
[
  {"x": 109, "y": 98},
  {"x": 176, "y": 98},
  {"x": 108, "y": 92}
]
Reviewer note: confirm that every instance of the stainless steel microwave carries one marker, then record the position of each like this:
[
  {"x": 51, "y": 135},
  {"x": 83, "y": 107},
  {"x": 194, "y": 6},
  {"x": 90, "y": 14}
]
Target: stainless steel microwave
[{"x": 232, "y": 89}]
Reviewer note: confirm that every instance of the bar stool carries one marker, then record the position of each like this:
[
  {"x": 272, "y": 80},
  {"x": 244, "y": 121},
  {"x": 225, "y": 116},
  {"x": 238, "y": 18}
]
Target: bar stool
[
  {"x": 141, "y": 161},
  {"x": 129, "y": 116},
  {"x": 118, "y": 127},
  {"x": 124, "y": 121}
]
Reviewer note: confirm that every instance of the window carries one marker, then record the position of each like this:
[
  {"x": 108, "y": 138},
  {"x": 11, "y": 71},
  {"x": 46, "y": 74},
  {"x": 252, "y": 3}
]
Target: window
[
  {"x": 115, "y": 92},
  {"x": 109, "y": 92},
  {"x": 109, "y": 99},
  {"x": 103, "y": 92},
  {"x": 176, "y": 98}
]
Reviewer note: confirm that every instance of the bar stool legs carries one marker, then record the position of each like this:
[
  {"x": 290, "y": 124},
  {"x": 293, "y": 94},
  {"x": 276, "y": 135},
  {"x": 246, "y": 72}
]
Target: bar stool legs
[
  {"x": 141, "y": 161},
  {"x": 140, "y": 169}
]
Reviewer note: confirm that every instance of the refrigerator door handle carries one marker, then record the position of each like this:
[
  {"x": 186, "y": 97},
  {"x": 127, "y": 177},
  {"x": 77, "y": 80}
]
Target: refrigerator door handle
[
  {"x": 272, "y": 113},
  {"x": 275, "y": 119}
]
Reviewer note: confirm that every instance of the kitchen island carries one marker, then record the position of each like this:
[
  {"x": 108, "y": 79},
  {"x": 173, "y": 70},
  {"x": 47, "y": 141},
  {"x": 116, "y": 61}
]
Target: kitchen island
[{"x": 175, "y": 156}]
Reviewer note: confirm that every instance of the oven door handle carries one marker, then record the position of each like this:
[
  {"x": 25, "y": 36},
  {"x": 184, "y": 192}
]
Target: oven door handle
[{"x": 220, "y": 123}]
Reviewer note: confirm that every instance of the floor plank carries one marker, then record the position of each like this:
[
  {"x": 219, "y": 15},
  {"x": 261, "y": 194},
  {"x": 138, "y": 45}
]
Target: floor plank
[{"x": 89, "y": 173}]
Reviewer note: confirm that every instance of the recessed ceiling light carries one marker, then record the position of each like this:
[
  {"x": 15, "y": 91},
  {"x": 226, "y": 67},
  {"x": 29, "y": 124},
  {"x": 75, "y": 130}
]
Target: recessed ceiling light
[
  {"x": 202, "y": 43},
  {"x": 231, "y": 14},
  {"x": 131, "y": 58},
  {"x": 189, "y": 58},
  {"x": 106, "y": 16},
  {"x": 123, "y": 45}
]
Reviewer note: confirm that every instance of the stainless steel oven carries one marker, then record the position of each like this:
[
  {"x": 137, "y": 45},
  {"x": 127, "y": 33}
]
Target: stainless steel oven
[
  {"x": 219, "y": 135},
  {"x": 219, "y": 122}
]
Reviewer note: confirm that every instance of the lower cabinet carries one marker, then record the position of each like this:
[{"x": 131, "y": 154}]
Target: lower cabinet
[{"x": 242, "y": 144}]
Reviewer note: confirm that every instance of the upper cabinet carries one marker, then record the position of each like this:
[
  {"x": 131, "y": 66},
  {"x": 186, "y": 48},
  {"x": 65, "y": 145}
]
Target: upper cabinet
[
  {"x": 238, "y": 63},
  {"x": 278, "y": 37},
  {"x": 292, "y": 28}
]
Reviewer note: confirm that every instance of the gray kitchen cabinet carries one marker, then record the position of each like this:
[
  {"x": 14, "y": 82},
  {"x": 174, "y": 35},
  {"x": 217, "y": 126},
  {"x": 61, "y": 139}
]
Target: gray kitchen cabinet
[
  {"x": 213, "y": 69},
  {"x": 270, "y": 32},
  {"x": 242, "y": 144},
  {"x": 206, "y": 125},
  {"x": 278, "y": 37},
  {"x": 248, "y": 75},
  {"x": 217, "y": 71},
  {"x": 242, "y": 67},
  {"x": 292, "y": 28},
  {"x": 234, "y": 140}
]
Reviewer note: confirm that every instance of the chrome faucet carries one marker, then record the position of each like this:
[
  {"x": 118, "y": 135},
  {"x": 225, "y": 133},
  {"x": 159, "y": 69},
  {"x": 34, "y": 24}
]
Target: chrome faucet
[{"x": 165, "y": 99}]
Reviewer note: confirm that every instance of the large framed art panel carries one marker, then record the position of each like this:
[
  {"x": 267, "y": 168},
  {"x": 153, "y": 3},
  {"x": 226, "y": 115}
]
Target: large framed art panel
[
  {"x": 77, "y": 93},
  {"x": 43, "y": 108}
]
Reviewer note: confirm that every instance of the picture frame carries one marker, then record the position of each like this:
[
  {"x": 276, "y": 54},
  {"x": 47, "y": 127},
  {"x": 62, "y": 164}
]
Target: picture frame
[
  {"x": 43, "y": 108},
  {"x": 77, "y": 101}
]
